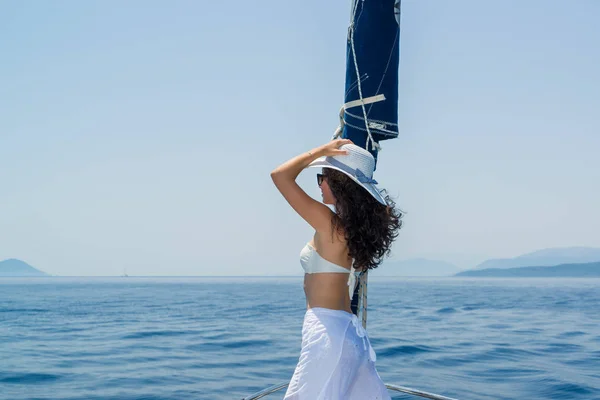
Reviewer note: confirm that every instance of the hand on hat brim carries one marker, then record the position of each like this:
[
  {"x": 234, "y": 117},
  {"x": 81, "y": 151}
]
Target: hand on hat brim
[{"x": 332, "y": 148}]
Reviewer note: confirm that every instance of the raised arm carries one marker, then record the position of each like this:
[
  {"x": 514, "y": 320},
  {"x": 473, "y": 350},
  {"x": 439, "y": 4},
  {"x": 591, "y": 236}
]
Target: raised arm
[{"x": 317, "y": 214}]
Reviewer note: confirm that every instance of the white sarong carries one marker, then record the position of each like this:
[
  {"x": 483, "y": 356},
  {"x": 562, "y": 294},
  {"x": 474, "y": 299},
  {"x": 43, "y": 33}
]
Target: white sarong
[{"x": 337, "y": 361}]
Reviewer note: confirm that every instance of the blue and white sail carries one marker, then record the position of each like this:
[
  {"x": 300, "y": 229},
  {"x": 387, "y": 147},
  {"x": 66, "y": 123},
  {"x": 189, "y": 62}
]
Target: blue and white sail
[{"x": 370, "y": 111}]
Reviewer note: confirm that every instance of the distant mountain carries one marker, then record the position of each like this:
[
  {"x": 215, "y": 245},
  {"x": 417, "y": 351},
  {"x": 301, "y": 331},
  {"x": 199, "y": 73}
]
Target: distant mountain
[
  {"x": 14, "y": 267},
  {"x": 419, "y": 267},
  {"x": 546, "y": 258},
  {"x": 586, "y": 270}
]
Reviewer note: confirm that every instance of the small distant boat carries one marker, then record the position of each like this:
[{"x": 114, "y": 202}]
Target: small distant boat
[{"x": 124, "y": 274}]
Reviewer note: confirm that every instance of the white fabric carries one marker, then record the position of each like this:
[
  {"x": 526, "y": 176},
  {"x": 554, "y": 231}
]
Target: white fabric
[
  {"x": 336, "y": 362},
  {"x": 313, "y": 263},
  {"x": 351, "y": 283},
  {"x": 368, "y": 100}
]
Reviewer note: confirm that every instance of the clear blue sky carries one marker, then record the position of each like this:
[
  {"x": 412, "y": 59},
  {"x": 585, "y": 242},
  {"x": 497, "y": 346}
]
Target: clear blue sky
[{"x": 141, "y": 136}]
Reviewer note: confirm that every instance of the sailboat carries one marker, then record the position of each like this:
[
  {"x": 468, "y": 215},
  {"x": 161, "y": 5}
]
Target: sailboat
[{"x": 369, "y": 114}]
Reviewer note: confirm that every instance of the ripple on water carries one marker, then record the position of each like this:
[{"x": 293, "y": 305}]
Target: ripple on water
[{"x": 28, "y": 378}]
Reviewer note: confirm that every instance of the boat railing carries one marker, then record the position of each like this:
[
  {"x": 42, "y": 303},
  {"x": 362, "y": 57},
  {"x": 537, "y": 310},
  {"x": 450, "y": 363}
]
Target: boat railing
[{"x": 395, "y": 388}]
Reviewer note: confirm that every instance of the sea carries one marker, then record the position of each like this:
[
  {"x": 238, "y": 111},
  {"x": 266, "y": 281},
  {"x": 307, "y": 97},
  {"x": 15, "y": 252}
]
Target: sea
[{"x": 148, "y": 338}]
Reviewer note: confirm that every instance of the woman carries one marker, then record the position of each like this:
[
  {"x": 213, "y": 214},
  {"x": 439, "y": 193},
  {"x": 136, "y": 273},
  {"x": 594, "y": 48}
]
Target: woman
[{"x": 337, "y": 361}]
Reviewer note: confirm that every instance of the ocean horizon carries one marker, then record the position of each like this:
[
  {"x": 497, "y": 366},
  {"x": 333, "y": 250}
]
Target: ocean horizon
[{"x": 228, "y": 337}]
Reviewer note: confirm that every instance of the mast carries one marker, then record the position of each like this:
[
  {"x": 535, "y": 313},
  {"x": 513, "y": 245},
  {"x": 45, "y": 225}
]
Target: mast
[{"x": 370, "y": 111}]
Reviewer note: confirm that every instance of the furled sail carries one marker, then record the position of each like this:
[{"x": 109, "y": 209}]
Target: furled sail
[{"x": 370, "y": 111}]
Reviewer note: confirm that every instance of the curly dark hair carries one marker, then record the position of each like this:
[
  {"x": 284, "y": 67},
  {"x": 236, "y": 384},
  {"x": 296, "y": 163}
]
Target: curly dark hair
[{"x": 369, "y": 227}]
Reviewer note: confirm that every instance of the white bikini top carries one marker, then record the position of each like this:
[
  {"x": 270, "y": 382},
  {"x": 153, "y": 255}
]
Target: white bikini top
[{"x": 313, "y": 263}]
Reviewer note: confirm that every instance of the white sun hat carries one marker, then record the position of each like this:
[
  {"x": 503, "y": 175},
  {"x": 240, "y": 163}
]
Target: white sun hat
[{"x": 358, "y": 164}]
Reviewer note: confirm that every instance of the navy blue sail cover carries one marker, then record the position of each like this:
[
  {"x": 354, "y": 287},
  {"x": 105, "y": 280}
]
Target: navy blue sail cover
[{"x": 375, "y": 30}]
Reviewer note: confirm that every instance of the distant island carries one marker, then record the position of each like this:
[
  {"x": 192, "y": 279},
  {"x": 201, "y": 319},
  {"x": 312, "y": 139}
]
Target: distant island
[
  {"x": 546, "y": 258},
  {"x": 585, "y": 270},
  {"x": 13, "y": 267},
  {"x": 565, "y": 261}
]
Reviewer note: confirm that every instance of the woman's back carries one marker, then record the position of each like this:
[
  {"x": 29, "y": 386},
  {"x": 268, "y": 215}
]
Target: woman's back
[{"x": 327, "y": 289}]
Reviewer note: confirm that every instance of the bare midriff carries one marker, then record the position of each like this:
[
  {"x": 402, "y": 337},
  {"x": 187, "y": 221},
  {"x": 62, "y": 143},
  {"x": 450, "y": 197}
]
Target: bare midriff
[{"x": 327, "y": 290}]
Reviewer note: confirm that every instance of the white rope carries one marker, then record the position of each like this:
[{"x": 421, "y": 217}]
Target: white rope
[
  {"x": 376, "y": 127},
  {"x": 387, "y": 66},
  {"x": 379, "y": 125},
  {"x": 375, "y": 145},
  {"x": 380, "y": 121},
  {"x": 351, "y": 87},
  {"x": 361, "y": 101}
]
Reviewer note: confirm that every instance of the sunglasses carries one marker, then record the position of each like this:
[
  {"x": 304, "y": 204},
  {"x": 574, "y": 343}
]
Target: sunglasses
[{"x": 320, "y": 178}]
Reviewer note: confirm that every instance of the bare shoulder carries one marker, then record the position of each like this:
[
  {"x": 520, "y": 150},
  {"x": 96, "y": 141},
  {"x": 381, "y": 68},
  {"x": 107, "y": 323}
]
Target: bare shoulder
[
  {"x": 333, "y": 245},
  {"x": 329, "y": 239}
]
